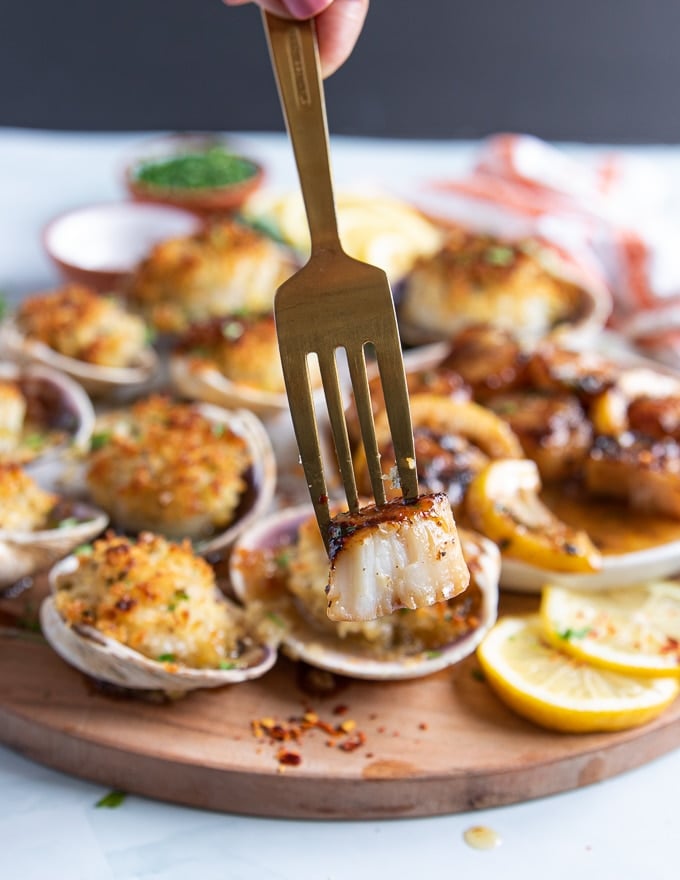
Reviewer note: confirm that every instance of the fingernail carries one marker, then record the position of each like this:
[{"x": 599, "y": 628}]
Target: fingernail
[{"x": 306, "y": 8}]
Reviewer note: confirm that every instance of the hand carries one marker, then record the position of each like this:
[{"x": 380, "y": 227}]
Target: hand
[{"x": 338, "y": 24}]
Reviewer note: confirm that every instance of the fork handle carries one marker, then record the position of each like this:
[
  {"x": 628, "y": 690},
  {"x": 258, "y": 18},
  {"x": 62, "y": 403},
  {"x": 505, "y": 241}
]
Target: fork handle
[{"x": 295, "y": 58}]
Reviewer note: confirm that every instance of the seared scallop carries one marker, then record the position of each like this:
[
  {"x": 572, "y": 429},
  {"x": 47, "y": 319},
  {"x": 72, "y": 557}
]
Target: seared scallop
[
  {"x": 279, "y": 570},
  {"x": 404, "y": 554},
  {"x": 552, "y": 428}
]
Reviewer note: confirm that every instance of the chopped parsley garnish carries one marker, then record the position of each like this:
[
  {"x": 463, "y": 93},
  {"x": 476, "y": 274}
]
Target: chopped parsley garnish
[
  {"x": 569, "y": 633},
  {"x": 226, "y": 664},
  {"x": 282, "y": 558},
  {"x": 279, "y": 621},
  {"x": 111, "y": 800},
  {"x": 68, "y": 523},
  {"x": 84, "y": 550},
  {"x": 166, "y": 658},
  {"x": 499, "y": 255},
  {"x": 214, "y": 167},
  {"x": 432, "y": 655},
  {"x": 218, "y": 429},
  {"x": 99, "y": 440},
  {"x": 34, "y": 441}
]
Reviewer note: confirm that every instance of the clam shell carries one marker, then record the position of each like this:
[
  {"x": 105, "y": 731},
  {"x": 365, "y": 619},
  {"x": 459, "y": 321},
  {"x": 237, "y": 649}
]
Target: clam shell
[
  {"x": 23, "y": 553},
  {"x": 97, "y": 380},
  {"x": 211, "y": 386},
  {"x": 302, "y": 640},
  {"x": 68, "y": 404},
  {"x": 108, "y": 660}
]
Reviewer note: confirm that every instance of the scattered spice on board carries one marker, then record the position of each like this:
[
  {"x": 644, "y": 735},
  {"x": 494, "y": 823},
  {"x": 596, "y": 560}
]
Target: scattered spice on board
[{"x": 343, "y": 736}]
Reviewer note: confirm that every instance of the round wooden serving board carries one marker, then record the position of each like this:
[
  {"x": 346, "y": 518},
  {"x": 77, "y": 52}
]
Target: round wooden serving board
[{"x": 441, "y": 744}]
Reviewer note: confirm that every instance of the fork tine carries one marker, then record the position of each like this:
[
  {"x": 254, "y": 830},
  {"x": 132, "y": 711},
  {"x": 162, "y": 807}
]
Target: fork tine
[
  {"x": 356, "y": 358},
  {"x": 298, "y": 387},
  {"x": 395, "y": 393},
  {"x": 336, "y": 415}
]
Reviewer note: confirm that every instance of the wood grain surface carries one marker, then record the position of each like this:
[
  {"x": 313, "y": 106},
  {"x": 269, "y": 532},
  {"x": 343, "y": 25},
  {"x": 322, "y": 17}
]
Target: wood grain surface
[{"x": 437, "y": 745}]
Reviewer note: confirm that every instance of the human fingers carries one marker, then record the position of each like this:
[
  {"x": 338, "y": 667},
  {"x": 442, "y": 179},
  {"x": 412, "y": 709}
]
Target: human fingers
[
  {"x": 337, "y": 29},
  {"x": 301, "y": 9}
]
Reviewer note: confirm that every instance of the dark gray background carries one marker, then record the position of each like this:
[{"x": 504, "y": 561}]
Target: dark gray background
[{"x": 593, "y": 70}]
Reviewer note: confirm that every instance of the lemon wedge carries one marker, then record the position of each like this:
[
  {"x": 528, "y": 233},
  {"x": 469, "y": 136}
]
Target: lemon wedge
[
  {"x": 503, "y": 503},
  {"x": 560, "y": 692},
  {"x": 636, "y": 630}
]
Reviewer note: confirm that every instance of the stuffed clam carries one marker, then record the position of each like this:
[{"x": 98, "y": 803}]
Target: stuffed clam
[
  {"x": 38, "y": 527},
  {"x": 222, "y": 269},
  {"x": 279, "y": 569},
  {"x": 84, "y": 334},
  {"x": 184, "y": 470},
  {"x": 231, "y": 361},
  {"x": 521, "y": 286},
  {"x": 46, "y": 419},
  {"x": 146, "y": 614}
]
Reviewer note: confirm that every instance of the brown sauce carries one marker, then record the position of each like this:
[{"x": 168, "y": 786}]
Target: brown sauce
[{"x": 614, "y": 527}]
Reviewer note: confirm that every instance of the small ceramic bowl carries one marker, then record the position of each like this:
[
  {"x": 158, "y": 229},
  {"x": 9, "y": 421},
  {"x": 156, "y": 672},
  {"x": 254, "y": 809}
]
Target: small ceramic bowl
[
  {"x": 100, "y": 245},
  {"x": 204, "y": 200}
]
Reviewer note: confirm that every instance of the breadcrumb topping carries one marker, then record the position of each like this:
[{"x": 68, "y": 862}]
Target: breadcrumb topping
[
  {"x": 80, "y": 323},
  {"x": 23, "y": 504},
  {"x": 154, "y": 596},
  {"x": 165, "y": 466}
]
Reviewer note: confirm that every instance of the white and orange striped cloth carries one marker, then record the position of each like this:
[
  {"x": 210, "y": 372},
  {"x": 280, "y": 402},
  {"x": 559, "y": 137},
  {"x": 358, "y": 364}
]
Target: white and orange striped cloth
[{"x": 605, "y": 216}]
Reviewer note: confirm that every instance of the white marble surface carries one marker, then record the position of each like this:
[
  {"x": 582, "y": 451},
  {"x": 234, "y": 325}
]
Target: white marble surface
[{"x": 49, "y": 827}]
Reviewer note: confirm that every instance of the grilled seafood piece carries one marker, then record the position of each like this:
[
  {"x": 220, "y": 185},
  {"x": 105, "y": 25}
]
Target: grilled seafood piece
[
  {"x": 279, "y": 570},
  {"x": 503, "y": 503},
  {"x": 584, "y": 374},
  {"x": 552, "y": 428},
  {"x": 489, "y": 359},
  {"x": 643, "y": 470},
  {"x": 453, "y": 441},
  {"x": 401, "y": 555}
]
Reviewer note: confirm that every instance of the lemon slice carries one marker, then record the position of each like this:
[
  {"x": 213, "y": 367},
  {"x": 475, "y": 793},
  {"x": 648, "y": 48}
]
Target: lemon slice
[
  {"x": 562, "y": 693},
  {"x": 636, "y": 630}
]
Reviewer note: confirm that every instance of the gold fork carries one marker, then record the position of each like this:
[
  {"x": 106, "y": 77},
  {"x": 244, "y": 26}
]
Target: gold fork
[{"x": 333, "y": 302}]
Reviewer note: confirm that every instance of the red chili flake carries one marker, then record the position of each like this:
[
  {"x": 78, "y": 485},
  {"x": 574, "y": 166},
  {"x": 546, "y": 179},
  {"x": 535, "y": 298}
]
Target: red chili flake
[
  {"x": 340, "y": 709},
  {"x": 289, "y": 759},
  {"x": 381, "y": 729},
  {"x": 353, "y": 742},
  {"x": 369, "y": 754},
  {"x": 422, "y": 726},
  {"x": 372, "y": 716},
  {"x": 670, "y": 646}
]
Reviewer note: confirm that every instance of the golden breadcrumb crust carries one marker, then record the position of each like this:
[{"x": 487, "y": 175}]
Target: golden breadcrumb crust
[
  {"x": 222, "y": 269},
  {"x": 165, "y": 466},
  {"x": 156, "y": 597},
  {"x": 24, "y": 505},
  {"x": 80, "y": 323}
]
